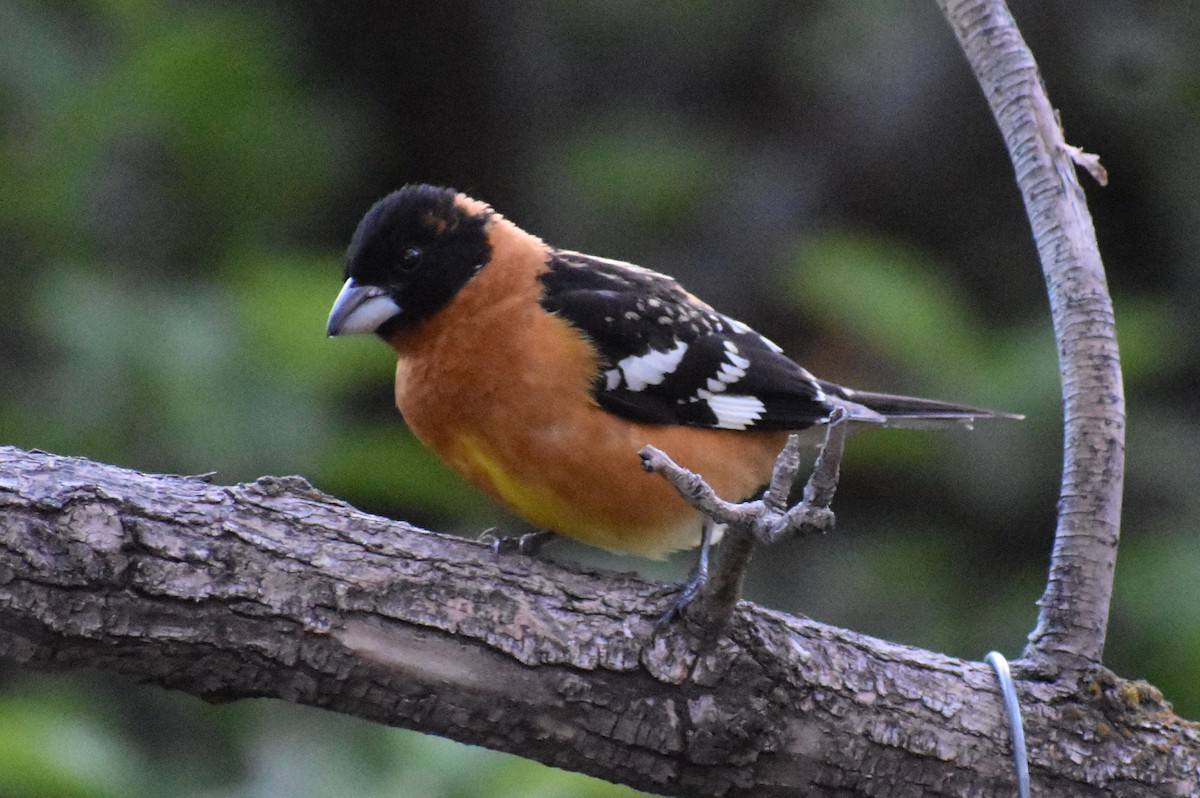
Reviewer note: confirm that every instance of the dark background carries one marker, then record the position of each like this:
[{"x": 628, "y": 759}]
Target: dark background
[{"x": 178, "y": 180}]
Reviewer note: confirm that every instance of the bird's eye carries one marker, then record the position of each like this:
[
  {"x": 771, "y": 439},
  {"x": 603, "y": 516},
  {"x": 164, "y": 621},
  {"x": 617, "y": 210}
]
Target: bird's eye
[{"x": 410, "y": 257}]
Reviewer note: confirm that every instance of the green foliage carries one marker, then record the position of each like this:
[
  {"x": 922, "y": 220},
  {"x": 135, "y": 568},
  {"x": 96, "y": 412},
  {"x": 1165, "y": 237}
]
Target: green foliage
[
  {"x": 907, "y": 314},
  {"x": 350, "y": 758},
  {"x": 1151, "y": 643},
  {"x": 280, "y": 304},
  {"x": 191, "y": 109},
  {"x": 53, "y": 744},
  {"x": 892, "y": 297},
  {"x": 642, "y": 180}
]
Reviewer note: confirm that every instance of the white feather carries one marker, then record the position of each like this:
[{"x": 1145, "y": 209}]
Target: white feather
[
  {"x": 651, "y": 368},
  {"x": 730, "y": 373},
  {"x": 736, "y": 412}
]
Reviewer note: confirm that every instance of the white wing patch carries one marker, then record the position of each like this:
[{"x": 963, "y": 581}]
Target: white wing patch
[
  {"x": 735, "y": 412},
  {"x": 732, "y": 369},
  {"x": 651, "y": 368}
]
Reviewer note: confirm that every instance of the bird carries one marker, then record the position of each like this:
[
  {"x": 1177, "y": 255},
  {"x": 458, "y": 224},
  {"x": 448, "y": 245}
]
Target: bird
[{"x": 538, "y": 373}]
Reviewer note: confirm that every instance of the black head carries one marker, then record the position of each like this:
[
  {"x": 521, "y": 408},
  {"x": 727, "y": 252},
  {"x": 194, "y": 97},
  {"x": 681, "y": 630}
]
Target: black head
[{"x": 411, "y": 253}]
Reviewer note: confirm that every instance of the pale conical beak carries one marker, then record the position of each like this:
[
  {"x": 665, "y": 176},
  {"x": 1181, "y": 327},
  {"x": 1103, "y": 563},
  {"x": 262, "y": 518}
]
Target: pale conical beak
[{"x": 359, "y": 309}]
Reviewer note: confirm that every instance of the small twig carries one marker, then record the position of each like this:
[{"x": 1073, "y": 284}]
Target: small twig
[
  {"x": 721, "y": 593},
  {"x": 813, "y": 511},
  {"x": 764, "y": 520},
  {"x": 692, "y": 487},
  {"x": 824, "y": 480},
  {"x": 783, "y": 476},
  {"x": 1089, "y": 162}
]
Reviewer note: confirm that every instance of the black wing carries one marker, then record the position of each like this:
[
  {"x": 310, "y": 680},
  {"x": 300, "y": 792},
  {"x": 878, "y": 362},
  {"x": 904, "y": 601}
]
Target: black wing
[{"x": 669, "y": 358}]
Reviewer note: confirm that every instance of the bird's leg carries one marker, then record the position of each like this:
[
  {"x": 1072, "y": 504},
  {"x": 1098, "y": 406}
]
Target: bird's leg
[
  {"x": 532, "y": 543},
  {"x": 691, "y": 587}
]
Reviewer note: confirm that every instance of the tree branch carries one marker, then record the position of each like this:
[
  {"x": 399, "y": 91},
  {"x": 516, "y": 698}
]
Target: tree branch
[
  {"x": 1074, "y": 608},
  {"x": 274, "y": 589}
]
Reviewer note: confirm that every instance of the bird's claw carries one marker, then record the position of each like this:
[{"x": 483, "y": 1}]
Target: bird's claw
[
  {"x": 685, "y": 593},
  {"x": 528, "y": 544}
]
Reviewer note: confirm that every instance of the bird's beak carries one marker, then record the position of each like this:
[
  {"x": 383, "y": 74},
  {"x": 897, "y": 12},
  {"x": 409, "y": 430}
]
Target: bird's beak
[{"x": 359, "y": 309}]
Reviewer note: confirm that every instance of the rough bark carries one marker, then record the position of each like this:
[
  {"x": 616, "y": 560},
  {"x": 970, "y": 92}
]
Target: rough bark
[
  {"x": 273, "y": 589},
  {"x": 1074, "y": 608}
]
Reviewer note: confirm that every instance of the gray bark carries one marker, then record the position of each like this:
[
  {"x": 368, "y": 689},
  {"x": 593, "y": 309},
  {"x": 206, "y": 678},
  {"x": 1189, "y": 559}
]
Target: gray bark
[{"x": 273, "y": 589}]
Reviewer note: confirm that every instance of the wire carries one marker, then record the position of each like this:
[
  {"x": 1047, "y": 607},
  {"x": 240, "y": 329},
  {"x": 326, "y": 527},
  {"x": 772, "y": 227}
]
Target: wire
[{"x": 1008, "y": 692}]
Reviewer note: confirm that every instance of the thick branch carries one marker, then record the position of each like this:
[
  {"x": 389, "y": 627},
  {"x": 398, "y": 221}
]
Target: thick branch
[
  {"x": 1074, "y": 608},
  {"x": 273, "y": 589}
]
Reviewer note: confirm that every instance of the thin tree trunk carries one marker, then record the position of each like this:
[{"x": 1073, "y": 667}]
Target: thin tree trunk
[{"x": 1074, "y": 609}]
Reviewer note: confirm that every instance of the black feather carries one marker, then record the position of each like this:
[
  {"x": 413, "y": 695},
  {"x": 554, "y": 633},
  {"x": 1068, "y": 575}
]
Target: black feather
[
  {"x": 690, "y": 364},
  {"x": 420, "y": 246}
]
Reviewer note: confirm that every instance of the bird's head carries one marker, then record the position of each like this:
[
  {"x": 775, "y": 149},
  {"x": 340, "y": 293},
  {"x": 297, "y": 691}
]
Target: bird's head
[{"x": 409, "y": 256}]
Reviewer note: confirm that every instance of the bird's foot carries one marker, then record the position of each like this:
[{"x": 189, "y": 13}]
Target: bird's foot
[
  {"x": 685, "y": 592},
  {"x": 528, "y": 544},
  {"x": 694, "y": 585}
]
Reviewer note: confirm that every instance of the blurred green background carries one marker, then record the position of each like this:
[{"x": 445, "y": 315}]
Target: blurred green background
[{"x": 178, "y": 180}]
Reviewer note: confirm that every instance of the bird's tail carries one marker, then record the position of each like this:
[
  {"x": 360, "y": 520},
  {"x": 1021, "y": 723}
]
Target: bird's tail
[{"x": 911, "y": 412}]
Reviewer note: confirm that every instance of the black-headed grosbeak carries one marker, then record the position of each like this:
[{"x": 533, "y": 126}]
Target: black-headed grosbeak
[{"x": 538, "y": 373}]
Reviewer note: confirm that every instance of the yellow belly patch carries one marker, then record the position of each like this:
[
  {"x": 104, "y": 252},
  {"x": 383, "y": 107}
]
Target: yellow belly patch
[
  {"x": 539, "y": 504},
  {"x": 534, "y": 502}
]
